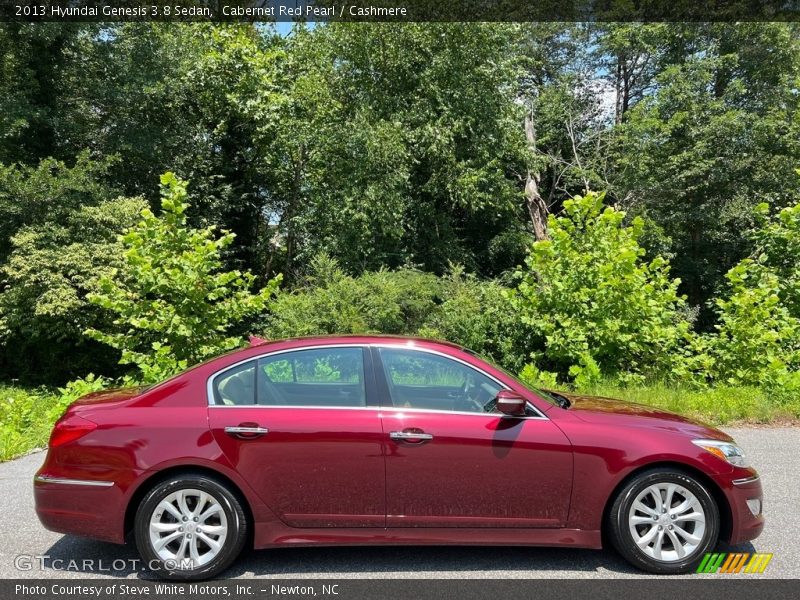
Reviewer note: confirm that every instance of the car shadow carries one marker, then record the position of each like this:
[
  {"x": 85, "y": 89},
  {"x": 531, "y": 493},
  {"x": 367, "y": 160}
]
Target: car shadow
[{"x": 86, "y": 556}]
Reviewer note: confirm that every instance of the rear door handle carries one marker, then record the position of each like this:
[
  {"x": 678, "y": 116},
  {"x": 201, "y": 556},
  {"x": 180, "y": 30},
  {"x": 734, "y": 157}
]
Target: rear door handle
[
  {"x": 410, "y": 436},
  {"x": 246, "y": 431}
]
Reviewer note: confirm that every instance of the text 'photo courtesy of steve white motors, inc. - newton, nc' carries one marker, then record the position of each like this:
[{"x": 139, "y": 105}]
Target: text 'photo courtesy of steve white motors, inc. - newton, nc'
[
  {"x": 164, "y": 589},
  {"x": 280, "y": 11}
]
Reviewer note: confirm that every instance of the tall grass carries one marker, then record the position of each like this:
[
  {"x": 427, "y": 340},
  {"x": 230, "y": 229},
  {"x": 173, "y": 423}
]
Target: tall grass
[
  {"x": 26, "y": 417},
  {"x": 718, "y": 405}
]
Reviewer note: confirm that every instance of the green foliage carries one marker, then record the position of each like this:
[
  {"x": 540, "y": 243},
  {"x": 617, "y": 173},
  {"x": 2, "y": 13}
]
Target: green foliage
[
  {"x": 61, "y": 225},
  {"x": 25, "y": 420},
  {"x": 172, "y": 303},
  {"x": 478, "y": 315},
  {"x": 758, "y": 336},
  {"x": 594, "y": 302},
  {"x": 393, "y": 302}
]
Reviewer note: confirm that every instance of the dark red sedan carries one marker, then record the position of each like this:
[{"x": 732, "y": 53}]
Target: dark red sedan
[{"x": 382, "y": 440}]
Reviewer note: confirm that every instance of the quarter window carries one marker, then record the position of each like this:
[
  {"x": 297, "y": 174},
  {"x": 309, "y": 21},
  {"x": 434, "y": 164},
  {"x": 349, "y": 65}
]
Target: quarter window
[
  {"x": 236, "y": 386},
  {"x": 428, "y": 381}
]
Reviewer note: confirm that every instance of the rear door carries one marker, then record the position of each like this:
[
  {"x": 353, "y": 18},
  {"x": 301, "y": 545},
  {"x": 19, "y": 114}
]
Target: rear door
[
  {"x": 298, "y": 426},
  {"x": 454, "y": 461}
]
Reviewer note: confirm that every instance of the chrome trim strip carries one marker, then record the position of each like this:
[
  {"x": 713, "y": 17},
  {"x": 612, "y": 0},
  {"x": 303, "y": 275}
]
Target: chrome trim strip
[
  {"x": 746, "y": 480},
  {"x": 63, "y": 481},
  {"x": 404, "y": 345}
]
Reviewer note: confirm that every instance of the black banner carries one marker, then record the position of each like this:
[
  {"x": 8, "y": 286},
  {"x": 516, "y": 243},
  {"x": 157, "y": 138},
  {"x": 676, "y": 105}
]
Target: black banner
[
  {"x": 736, "y": 587},
  {"x": 398, "y": 10}
]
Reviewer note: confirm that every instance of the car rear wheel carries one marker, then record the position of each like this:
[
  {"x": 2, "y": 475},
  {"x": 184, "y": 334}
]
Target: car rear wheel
[
  {"x": 190, "y": 527},
  {"x": 664, "y": 521}
]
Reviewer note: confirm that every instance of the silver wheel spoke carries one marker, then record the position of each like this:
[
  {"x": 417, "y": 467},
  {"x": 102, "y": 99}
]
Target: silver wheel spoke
[
  {"x": 658, "y": 544},
  {"x": 645, "y": 509},
  {"x": 167, "y": 539},
  {"x": 170, "y": 508},
  {"x": 165, "y": 527},
  {"x": 211, "y": 510},
  {"x": 211, "y": 529},
  {"x": 693, "y": 539},
  {"x": 211, "y": 543},
  {"x": 676, "y": 544},
  {"x": 645, "y": 540}
]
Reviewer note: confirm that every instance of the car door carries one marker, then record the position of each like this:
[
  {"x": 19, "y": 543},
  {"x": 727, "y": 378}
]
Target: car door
[
  {"x": 297, "y": 425},
  {"x": 450, "y": 462}
]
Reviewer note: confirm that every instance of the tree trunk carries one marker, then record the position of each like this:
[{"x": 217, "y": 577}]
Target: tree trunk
[{"x": 537, "y": 208}]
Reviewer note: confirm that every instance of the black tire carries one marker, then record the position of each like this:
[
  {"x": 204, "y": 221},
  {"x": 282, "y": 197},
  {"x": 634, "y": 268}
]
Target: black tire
[
  {"x": 623, "y": 539},
  {"x": 237, "y": 522}
]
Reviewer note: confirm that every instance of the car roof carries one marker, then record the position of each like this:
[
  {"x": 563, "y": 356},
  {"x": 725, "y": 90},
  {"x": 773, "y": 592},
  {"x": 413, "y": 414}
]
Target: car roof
[{"x": 357, "y": 338}]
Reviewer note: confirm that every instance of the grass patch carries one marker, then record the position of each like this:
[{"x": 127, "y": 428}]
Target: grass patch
[
  {"x": 26, "y": 418},
  {"x": 718, "y": 406}
]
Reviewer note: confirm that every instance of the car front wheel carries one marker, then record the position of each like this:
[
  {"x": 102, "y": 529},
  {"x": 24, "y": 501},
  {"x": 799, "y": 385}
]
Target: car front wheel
[
  {"x": 190, "y": 527},
  {"x": 664, "y": 521}
]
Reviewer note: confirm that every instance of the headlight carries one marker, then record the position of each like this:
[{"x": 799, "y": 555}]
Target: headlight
[{"x": 727, "y": 451}]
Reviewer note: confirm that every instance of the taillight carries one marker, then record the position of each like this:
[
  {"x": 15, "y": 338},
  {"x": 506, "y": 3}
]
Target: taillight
[{"x": 70, "y": 428}]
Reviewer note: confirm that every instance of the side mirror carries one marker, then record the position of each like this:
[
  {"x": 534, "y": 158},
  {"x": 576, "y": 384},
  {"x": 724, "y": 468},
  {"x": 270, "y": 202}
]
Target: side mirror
[{"x": 510, "y": 403}]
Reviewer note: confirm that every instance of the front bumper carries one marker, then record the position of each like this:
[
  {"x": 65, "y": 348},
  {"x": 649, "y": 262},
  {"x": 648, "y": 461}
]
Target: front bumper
[{"x": 745, "y": 525}]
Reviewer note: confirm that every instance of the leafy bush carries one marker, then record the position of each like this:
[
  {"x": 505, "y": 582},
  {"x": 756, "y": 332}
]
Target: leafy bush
[
  {"x": 331, "y": 302},
  {"x": 758, "y": 335},
  {"x": 594, "y": 303},
  {"x": 478, "y": 314},
  {"x": 172, "y": 304}
]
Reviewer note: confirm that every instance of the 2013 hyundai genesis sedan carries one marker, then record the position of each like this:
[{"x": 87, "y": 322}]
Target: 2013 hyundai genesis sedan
[{"x": 384, "y": 440}]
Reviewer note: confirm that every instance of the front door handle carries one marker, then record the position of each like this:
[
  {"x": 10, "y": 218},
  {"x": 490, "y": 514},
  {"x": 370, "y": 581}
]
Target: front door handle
[
  {"x": 410, "y": 436},
  {"x": 246, "y": 431}
]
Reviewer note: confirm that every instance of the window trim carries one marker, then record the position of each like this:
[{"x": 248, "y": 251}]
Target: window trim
[
  {"x": 372, "y": 366},
  {"x": 365, "y": 363},
  {"x": 378, "y": 367}
]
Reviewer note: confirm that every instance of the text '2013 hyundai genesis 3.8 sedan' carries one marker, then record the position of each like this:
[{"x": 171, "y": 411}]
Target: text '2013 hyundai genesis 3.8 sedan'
[{"x": 383, "y": 440}]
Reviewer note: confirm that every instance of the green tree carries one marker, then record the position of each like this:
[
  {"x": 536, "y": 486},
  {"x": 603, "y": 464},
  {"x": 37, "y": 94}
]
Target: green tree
[
  {"x": 715, "y": 134},
  {"x": 592, "y": 300},
  {"x": 171, "y": 301}
]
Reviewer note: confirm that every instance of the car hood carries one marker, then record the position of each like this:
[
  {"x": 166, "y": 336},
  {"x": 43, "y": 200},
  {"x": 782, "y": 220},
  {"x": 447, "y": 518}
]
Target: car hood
[{"x": 603, "y": 410}]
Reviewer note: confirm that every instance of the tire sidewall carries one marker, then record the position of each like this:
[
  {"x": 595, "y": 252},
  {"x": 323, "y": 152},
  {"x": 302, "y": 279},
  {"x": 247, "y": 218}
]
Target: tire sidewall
[
  {"x": 620, "y": 533},
  {"x": 234, "y": 541}
]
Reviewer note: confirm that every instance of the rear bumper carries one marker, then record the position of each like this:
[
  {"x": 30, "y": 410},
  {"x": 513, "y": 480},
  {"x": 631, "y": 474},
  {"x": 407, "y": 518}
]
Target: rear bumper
[
  {"x": 745, "y": 525},
  {"x": 86, "y": 507}
]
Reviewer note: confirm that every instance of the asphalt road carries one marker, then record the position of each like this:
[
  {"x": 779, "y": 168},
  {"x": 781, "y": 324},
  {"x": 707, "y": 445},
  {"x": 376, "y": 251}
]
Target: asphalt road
[{"x": 774, "y": 451}]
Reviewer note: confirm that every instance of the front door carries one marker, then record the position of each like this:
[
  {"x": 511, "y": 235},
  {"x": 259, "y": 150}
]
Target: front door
[
  {"x": 452, "y": 461},
  {"x": 297, "y": 426}
]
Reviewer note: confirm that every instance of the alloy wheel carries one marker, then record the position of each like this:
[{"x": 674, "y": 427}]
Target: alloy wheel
[
  {"x": 188, "y": 524},
  {"x": 667, "y": 522}
]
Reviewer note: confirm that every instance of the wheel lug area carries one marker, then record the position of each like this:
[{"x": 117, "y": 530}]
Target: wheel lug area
[
  {"x": 660, "y": 528},
  {"x": 189, "y": 535},
  {"x": 185, "y": 518},
  {"x": 180, "y": 528},
  {"x": 670, "y": 527},
  {"x": 655, "y": 518},
  {"x": 195, "y": 519},
  {"x": 672, "y": 517}
]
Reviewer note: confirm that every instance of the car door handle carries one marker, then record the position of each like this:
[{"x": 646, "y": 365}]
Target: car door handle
[
  {"x": 410, "y": 436},
  {"x": 246, "y": 431}
]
